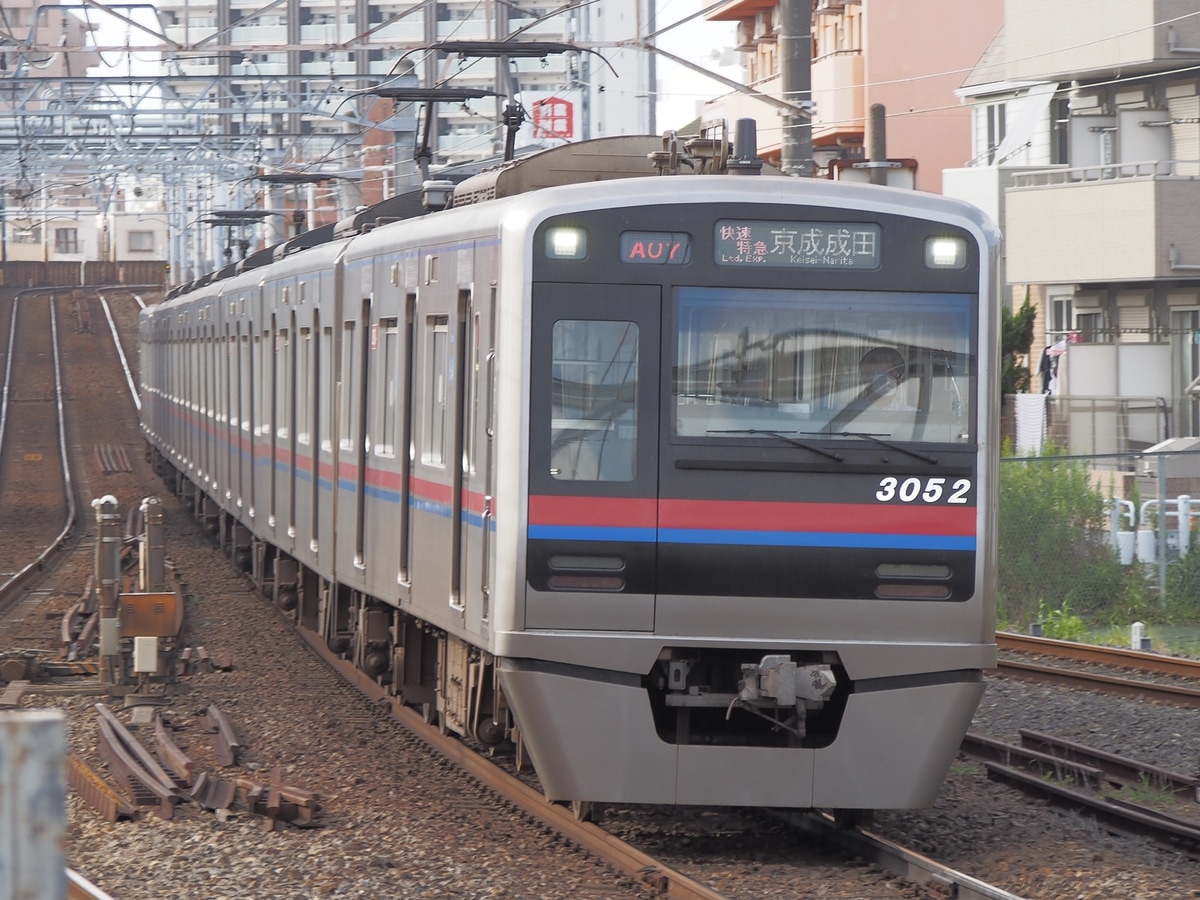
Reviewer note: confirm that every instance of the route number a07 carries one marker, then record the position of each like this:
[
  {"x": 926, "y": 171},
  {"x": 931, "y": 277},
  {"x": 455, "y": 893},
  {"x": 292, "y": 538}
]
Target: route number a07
[{"x": 923, "y": 490}]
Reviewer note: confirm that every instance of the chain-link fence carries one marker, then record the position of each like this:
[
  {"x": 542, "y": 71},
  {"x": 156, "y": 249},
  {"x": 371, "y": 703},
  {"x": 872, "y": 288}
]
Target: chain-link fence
[{"x": 1107, "y": 539}]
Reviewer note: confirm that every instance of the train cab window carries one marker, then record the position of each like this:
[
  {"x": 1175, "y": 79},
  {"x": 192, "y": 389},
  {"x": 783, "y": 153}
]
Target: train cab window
[
  {"x": 761, "y": 364},
  {"x": 593, "y": 426}
]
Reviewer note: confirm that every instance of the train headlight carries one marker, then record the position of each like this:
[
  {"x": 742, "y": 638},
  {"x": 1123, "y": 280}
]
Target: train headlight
[
  {"x": 945, "y": 252},
  {"x": 566, "y": 243}
]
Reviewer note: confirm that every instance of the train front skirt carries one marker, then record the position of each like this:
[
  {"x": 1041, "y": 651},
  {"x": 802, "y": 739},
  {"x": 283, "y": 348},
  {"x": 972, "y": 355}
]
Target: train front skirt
[{"x": 593, "y": 738}]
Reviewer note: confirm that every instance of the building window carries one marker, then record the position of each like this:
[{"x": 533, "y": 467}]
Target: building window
[
  {"x": 28, "y": 235},
  {"x": 1060, "y": 321},
  {"x": 66, "y": 240},
  {"x": 1060, "y": 147},
  {"x": 995, "y": 129},
  {"x": 141, "y": 242},
  {"x": 1091, "y": 327}
]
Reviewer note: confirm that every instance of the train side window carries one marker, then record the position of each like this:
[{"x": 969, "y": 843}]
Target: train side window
[
  {"x": 325, "y": 408},
  {"x": 345, "y": 438},
  {"x": 437, "y": 337},
  {"x": 593, "y": 416},
  {"x": 385, "y": 441},
  {"x": 283, "y": 383},
  {"x": 304, "y": 378}
]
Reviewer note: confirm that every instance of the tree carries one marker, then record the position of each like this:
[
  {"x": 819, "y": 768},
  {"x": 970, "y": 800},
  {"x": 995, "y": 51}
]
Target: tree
[{"x": 1016, "y": 337}]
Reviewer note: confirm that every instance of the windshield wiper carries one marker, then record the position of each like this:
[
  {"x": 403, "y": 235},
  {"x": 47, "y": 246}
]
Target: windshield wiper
[
  {"x": 889, "y": 444},
  {"x": 781, "y": 435}
]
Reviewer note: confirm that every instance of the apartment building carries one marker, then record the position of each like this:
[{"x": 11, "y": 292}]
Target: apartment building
[
  {"x": 39, "y": 222},
  {"x": 270, "y": 106},
  {"x": 299, "y": 68},
  {"x": 909, "y": 56},
  {"x": 1087, "y": 151}
]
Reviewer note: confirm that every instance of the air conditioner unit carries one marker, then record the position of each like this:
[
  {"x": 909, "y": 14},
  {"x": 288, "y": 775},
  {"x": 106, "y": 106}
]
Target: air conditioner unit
[
  {"x": 762, "y": 25},
  {"x": 744, "y": 39}
]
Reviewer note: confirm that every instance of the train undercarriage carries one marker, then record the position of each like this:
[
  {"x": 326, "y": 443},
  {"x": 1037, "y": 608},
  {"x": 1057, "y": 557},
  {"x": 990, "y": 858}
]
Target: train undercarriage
[{"x": 452, "y": 683}]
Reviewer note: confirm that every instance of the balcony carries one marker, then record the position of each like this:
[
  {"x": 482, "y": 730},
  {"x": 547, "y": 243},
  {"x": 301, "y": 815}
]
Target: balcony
[
  {"x": 405, "y": 31},
  {"x": 837, "y": 83},
  {"x": 1125, "y": 36},
  {"x": 254, "y": 35},
  {"x": 1125, "y": 222}
]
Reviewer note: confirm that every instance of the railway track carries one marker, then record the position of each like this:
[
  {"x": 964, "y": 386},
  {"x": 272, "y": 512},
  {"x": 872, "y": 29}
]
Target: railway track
[
  {"x": 371, "y": 778},
  {"x": 36, "y": 484},
  {"x": 1094, "y": 781},
  {"x": 1177, "y": 681},
  {"x": 105, "y": 457}
]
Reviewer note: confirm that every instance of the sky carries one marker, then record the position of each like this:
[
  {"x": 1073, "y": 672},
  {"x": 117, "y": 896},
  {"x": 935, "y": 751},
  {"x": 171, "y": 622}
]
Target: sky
[{"x": 707, "y": 44}]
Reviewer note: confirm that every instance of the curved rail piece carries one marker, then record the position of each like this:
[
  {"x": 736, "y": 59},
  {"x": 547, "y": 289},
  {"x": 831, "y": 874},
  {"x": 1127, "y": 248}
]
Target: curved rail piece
[
  {"x": 146, "y": 781},
  {"x": 225, "y": 739},
  {"x": 168, "y": 751}
]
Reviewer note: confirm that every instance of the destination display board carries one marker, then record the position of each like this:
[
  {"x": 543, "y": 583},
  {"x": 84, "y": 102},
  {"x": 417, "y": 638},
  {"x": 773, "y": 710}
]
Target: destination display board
[{"x": 798, "y": 245}]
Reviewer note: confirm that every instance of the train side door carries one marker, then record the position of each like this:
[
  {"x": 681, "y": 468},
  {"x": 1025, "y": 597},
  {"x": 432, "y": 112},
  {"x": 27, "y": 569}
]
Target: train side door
[{"x": 593, "y": 471}]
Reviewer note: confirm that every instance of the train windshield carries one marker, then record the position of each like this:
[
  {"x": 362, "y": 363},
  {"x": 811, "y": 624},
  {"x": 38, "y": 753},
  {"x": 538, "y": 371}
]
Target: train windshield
[{"x": 823, "y": 365}]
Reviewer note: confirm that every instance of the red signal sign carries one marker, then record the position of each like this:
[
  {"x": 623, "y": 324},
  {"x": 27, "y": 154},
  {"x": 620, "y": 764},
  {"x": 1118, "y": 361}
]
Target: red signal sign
[{"x": 553, "y": 117}]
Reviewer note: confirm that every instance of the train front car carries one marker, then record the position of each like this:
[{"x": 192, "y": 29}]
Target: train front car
[{"x": 758, "y": 446}]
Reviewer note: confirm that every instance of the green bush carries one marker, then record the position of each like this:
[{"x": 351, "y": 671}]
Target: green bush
[
  {"x": 1053, "y": 541},
  {"x": 1183, "y": 587},
  {"x": 1061, "y": 624}
]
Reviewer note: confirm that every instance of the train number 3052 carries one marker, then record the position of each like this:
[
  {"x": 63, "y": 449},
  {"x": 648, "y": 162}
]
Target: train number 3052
[{"x": 922, "y": 490}]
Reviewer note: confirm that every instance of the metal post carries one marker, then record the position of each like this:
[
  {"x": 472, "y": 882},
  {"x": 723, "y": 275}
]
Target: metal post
[
  {"x": 153, "y": 557},
  {"x": 1162, "y": 529},
  {"x": 33, "y": 807},
  {"x": 108, "y": 573},
  {"x": 795, "y": 80}
]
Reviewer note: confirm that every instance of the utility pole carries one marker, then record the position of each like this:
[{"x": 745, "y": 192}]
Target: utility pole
[{"x": 795, "y": 69}]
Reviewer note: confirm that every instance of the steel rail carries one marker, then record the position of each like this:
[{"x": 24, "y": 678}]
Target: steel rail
[
  {"x": 1093, "y": 653},
  {"x": 18, "y": 580},
  {"x": 1090, "y": 681},
  {"x": 112, "y": 327},
  {"x": 1118, "y": 815},
  {"x": 664, "y": 881},
  {"x": 913, "y": 867},
  {"x": 79, "y": 888}
]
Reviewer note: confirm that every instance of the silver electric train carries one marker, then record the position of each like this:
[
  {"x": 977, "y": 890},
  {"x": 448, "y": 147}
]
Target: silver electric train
[{"x": 684, "y": 484}]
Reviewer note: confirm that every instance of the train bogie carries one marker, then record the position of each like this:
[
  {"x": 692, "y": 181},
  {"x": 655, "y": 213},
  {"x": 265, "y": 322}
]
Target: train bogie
[{"x": 685, "y": 483}]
